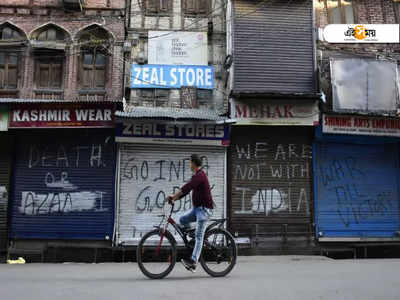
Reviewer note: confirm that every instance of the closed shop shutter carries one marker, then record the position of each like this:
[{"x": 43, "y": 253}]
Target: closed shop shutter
[
  {"x": 271, "y": 183},
  {"x": 356, "y": 191},
  {"x": 149, "y": 173},
  {"x": 274, "y": 48},
  {"x": 4, "y": 186},
  {"x": 64, "y": 184}
]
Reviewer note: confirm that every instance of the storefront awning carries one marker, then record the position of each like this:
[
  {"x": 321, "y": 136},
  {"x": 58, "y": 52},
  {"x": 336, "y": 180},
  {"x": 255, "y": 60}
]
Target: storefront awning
[{"x": 173, "y": 113}]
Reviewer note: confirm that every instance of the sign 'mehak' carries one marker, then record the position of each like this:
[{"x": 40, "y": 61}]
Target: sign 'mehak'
[{"x": 171, "y": 76}]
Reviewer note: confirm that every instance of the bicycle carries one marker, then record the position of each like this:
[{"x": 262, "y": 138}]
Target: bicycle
[{"x": 157, "y": 249}]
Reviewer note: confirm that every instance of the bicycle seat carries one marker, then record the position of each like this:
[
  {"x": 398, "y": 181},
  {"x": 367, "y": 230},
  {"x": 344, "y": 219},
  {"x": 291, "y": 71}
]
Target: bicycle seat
[
  {"x": 186, "y": 229},
  {"x": 189, "y": 230}
]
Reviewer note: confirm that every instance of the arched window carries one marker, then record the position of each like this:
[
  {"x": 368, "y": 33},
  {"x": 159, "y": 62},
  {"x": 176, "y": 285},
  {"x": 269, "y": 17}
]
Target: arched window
[
  {"x": 49, "y": 43},
  {"x": 51, "y": 34},
  {"x": 8, "y": 33},
  {"x": 94, "y": 43},
  {"x": 9, "y": 56}
]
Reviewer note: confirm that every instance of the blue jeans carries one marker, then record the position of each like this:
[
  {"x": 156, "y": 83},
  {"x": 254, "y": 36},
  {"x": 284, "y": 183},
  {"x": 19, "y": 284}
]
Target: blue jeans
[{"x": 200, "y": 215}]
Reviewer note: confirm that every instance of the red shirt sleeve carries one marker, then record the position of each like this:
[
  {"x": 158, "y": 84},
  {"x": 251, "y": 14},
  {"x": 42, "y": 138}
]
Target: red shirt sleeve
[{"x": 193, "y": 183}]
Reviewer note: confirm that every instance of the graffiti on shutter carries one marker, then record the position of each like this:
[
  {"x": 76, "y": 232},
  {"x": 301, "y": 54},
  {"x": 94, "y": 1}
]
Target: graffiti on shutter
[
  {"x": 271, "y": 178},
  {"x": 57, "y": 191},
  {"x": 147, "y": 177}
]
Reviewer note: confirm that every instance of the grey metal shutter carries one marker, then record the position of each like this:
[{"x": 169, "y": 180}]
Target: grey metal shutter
[
  {"x": 271, "y": 182},
  {"x": 273, "y": 46},
  {"x": 148, "y": 173},
  {"x": 63, "y": 185},
  {"x": 5, "y": 158}
]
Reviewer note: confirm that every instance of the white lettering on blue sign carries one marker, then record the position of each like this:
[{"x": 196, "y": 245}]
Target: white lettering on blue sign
[
  {"x": 199, "y": 131},
  {"x": 169, "y": 76}
]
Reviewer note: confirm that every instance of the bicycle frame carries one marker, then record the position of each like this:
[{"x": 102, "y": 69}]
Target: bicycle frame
[
  {"x": 183, "y": 235},
  {"x": 219, "y": 246}
]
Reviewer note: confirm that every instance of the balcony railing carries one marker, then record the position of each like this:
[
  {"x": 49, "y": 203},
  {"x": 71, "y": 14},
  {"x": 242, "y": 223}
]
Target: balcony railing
[
  {"x": 87, "y": 95},
  {"x": 9, "y": 93},
  {"x": 49, "y": 94}
]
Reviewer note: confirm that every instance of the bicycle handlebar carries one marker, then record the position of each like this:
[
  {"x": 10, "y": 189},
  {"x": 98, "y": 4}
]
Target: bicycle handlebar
[{"x": 165, "y": 211}]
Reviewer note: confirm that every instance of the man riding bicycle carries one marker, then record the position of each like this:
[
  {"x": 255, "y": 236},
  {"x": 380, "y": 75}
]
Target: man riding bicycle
[{"x": 202, "y": 201}]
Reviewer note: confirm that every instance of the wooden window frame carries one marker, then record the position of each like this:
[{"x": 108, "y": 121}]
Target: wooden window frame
[
  {"x": 93, "y": 68},
  {"x": 6, "y": 85},
  {"x": 156, "y": 96},
  {"x": 160, "y": 7},
  {"x": 51, "y": 63},
  {"x": 342, "y": 12},
  {"x": 197, "y": 10}
]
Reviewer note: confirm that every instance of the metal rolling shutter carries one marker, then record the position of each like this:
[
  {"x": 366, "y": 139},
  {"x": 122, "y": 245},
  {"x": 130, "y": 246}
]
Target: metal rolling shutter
[
  {"x": 64, "y": 184},
  {"x": 274, "y": 47},
  {"x": 4, "y": 187},
  {"x": 271, "y": 182},
  {"x": 148, "y": 173},
  {"x": 356, "y": 191}
]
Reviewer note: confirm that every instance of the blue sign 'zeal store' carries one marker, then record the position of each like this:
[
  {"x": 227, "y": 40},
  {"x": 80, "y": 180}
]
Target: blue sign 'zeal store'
[
  {"x": 159, "y": 133},
  {"x": 172, "y": 76}
]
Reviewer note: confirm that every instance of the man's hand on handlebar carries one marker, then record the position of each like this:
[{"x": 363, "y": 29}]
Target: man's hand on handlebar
[{"x": 170, "y": 199}]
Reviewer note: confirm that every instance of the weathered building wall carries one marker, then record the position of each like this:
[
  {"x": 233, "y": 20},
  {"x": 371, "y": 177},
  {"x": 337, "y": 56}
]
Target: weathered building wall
[
  {"x": 365, "y": 12},
  {"x": 213, "y": 22}
]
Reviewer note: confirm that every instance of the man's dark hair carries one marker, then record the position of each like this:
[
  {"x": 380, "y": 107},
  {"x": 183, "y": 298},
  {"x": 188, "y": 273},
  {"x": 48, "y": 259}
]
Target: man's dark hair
[{"x": 196, "y": 160}]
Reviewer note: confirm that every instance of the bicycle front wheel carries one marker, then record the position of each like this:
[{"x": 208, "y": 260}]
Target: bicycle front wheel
[
  {"x": 156, "y": 254},
  {"x": 219, "y": 252}
]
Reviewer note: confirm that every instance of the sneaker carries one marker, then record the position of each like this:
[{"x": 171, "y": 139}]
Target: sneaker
[{"x": 189, "y": 264}]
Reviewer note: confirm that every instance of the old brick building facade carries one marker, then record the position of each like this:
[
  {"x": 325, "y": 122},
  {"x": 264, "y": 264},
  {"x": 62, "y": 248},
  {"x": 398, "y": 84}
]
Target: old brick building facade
[
  {"x": 49, "y": 49},
  {"x": 61, "y": 64}
]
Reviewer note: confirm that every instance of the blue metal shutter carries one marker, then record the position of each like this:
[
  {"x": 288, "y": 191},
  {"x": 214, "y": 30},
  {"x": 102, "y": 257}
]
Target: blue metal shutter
[
  {"x": 356, "y": 191},
  {"x": 5, "y": 157},
  {"x": 63, "y": 184}
]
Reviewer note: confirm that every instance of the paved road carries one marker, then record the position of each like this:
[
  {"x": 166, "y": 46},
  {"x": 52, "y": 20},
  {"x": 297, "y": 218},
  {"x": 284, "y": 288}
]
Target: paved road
[{"x": 270, "y": 277}]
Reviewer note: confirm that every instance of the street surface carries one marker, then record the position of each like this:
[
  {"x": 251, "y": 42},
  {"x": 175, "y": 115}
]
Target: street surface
[{"x": 267, "y": 277}]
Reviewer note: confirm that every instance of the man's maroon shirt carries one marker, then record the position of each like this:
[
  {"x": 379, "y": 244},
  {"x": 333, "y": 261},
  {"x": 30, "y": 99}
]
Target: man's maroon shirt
[{"x": 201, "y": 195}]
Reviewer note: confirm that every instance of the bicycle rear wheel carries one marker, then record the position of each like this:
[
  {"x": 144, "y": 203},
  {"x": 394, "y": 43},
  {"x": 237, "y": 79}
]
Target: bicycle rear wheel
[
  {"x": 156, "y": 255},
  {"x": 219, "y": 252}
]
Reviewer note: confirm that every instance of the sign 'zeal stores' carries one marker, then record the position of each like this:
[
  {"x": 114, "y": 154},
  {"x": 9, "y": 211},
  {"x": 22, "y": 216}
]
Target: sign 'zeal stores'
[
  {"x": 278, "y": 113},
  {"x": 172, "y": 76},
  {"x": 56, "y": 115},
  {"x": 182, "y": 133}
]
